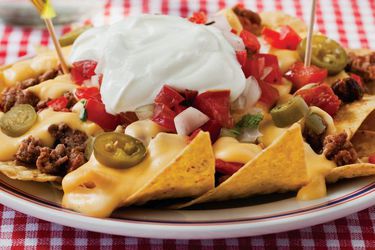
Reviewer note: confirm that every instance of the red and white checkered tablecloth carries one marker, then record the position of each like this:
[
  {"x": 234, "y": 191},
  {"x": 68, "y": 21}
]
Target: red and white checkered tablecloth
[{"x": 352, "y": 22}]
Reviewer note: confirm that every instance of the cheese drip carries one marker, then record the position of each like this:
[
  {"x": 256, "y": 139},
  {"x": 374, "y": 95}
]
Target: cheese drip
[
  {"x": 53, "y": 88},
  {"x": 9, "y": 145}
]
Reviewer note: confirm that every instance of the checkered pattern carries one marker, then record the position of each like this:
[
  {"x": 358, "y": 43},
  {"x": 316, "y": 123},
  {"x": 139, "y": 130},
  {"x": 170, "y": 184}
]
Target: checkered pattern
[{"x": 352, "y": 22}]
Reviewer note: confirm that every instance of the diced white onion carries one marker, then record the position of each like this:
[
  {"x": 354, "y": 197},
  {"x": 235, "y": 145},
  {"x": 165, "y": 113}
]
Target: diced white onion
[
  {"x": 79, "y": 106},
  {"x": 145, "y": 112},
  {"x": 249, "y": 135},
  {"x": 249, "y": 96},
  {"x": 189, "y": 120}
]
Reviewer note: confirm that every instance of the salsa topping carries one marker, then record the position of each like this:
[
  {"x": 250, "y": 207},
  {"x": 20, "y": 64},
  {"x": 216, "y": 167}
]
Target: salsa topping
[
  {"x": 326, "y": 53},
  {"x": 300, "y": 75},
  {"x": 118, "y": 150},
  {"x": 83, "y": 70},
  {"x": 321, "y": 96},
  {"x": 227, "y": 168},
  {"x": 287, "y": 38},
  {"x": 198, "y": 17}
]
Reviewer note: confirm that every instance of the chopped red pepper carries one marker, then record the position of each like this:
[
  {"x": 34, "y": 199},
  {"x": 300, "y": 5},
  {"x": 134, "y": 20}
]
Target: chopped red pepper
[
  {"x": 164, "y": 116},
  {"x": 371, "y": 159},
  {"x": 59, "y": 104},
  {"x": 321, "y": 96},
  {"x": 88, "y": 93},
  {"x": 169, "y": 97},
  {"x": 241, "y": 57},
  {"x": 287, "y": 38},
  {"x": 198, "y": 17},
  {"x": 269, "y": 96},
  {"x": 227, "y": 168},
  {"x": 300, "y": 75},
  {"x": 212, "y": 127},
  {"x": 216, "y": 105},
  {"x": 251, "y": 41},
  {"x": 96, "y": 113},
  {"x": 258, "y": 63},
  {"x": 83, "y": 70}
]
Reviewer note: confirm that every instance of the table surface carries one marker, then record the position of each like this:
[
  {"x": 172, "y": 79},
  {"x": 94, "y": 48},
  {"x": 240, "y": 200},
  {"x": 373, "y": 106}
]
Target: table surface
[{"x": 352, "y": 22}]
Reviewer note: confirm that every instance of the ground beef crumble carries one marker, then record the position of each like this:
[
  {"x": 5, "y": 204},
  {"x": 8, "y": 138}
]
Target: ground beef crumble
[
  {"x": 250, "y": 20},
  {"x": 362, "y": 65},
  {"x": 13, "y": 96},
  {"x": 339, "y": 149},
  {"x": 66, "y": 156}
]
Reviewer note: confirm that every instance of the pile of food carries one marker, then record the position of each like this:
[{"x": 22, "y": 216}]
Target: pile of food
[{"x": 207, "y": 108}]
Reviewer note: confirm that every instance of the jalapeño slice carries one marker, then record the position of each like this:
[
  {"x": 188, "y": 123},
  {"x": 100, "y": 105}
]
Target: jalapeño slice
[
  {"x": 18, "y": 120},
  {"x": 118, "y": 150},
  {"x": 315, "y": 123},
  {"x": 70, "y": 37},
  {"x": 290, "y": 112},
  {"x": 326, "y": 53}
]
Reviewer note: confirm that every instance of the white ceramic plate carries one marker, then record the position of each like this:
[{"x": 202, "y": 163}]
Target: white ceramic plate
[{"x": 253, "y": 216}]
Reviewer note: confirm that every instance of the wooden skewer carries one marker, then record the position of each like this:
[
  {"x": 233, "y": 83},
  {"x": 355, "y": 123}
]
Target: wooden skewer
[
  {"x": 308, "y": 51},
  {"x": 56, "y": 43}
]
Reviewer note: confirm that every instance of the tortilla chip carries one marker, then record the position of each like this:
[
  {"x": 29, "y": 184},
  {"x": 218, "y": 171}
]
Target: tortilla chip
[
  {"x": 276, "y": 19},
  {"x": 351, "y": 171},
  {"x": 197, "y": 162},
  {"x": 11, "y": 170},
  {"x": 369, "y": 123},
  {"x": 364, "y": 142},
  {"x": 97, "y": 190},
  {"x": 352, "y": 115},
  {"x": 279, "y": 168}
]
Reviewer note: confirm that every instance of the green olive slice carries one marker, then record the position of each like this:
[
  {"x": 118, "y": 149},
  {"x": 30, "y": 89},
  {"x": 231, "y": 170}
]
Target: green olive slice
[
  {"x": 290, "y": 112},
  {"x": 315, "y": 123},
  {"x": 118, "y": 150},
  {"x": 326, "y": 53},
  {"x": 18, "y": 120},
  {"x": 70, "y": 37}
]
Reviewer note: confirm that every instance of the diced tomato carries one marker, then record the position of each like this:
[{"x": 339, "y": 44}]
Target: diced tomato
[
  {"x": 212, "y": 127},
  {"x": 227, "y": 168},
  {"x": 164, "y": 116},
  {"x": 300, "y": 75},
  {"x": 198, "y": 17},
  {"x": 321, "y": 96},
  {"x": 241, "y": 57},
  {"x": 257, "y": 64},
  {"x": 251, "y": 41},
  {"x": 216, "y": 105},
  {"x": 169, "y": 97},
  {"x": 358, "y": 79},
  {"x": 96, "y": 113},
  {"x": 88, "y": 93},
  {"x": 83, "y": 70},
  {"x": 59, "y": 104},
  {"x": 189, "y": 96},
  {"x": 269, "y": 96},
  {"x": 287, "y": 38},
  {"x": 371, "y": 159}
]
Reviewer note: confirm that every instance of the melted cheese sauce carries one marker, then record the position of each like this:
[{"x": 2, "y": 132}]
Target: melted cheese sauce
[
  {"x": 96, "y": 189},
  {"x": 34, "y": 67},
  {"x": 9, "y": 145},
  {"x": 285, "y": 57},
  {"x": 53, "y": 88},
  {"x": 269, "y": 131},
  {"x": 230, "y": 150},
  {"x": 318, "y": 167},
  {"x": 144, "y": 130}
]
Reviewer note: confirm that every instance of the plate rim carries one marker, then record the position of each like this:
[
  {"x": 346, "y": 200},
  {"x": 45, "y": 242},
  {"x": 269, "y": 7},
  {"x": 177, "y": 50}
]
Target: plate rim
[{"x": 362, "y": 198}]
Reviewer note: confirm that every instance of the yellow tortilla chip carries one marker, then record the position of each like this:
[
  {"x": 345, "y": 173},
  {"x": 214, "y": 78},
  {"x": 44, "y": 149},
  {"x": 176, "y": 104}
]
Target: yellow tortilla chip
[
  {"x": 11, "y": 170},
  {"x": 352, "y": 115},
  {"x": 279, "y": 168},
  {"x": 351, "y": 171},
  {"x": 277, "y": 19},
  {"x": 364, "y": 143},
  {"x": 171, "y": 169}
]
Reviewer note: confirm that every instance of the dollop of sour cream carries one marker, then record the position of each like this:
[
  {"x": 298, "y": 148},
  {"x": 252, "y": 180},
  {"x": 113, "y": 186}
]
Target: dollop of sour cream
[{"x": 140, "y": 54}]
